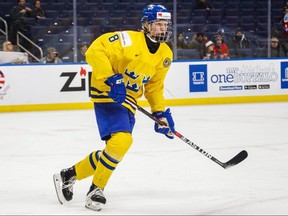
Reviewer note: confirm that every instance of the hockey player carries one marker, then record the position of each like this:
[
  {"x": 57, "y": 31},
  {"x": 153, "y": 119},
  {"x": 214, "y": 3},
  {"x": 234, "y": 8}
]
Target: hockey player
[{"x": 125, "y": 65}]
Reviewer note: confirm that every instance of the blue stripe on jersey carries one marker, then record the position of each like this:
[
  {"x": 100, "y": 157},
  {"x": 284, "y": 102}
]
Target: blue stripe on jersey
[
  {"x": 96, "y": 93},
  {"x": 99, "y": 96},
  {"x": 96, "y": 90},
  {"x": 129, "y": 106},
  {"x": 131, "y": 98}
]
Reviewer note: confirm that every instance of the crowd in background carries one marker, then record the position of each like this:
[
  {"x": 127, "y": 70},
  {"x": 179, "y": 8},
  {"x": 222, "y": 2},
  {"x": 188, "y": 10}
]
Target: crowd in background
[
  {"x": 220, "y": 46},
  {"x": 226, "y": 46},
  {"x": 19, "y": 23}
]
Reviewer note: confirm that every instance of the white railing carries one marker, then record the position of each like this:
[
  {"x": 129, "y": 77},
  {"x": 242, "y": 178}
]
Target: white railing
[
  {"x": 19, "y": 34},
  {"x": 5, "y": 31}
]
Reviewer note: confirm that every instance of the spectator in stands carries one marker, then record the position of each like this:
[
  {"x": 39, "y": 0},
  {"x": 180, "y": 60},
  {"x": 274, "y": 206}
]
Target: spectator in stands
[
  {"x": 8, "y": 46},
  {"x": 221, "y": 49},
  {"x": 285, "y": 11},
  {"x": 15, "y": 57},
  {"x": 19, "y": 14},
  {"x": 202, "y": 4},
  {"x": 239, "y": 40},
  {"x": 277, "y": 49},
  {"x": 240, "y": 45},
  {"x": 284, "y": 35},
  {"x": 83, "y": 48},
  {"x": 226, "y": 36},
  {"x": 209, "y": 50},
  {"x": 181, "y": 42},
  {"x": 51, "y": 57},
  {"x": 37, "y": 11},
  {"x": 198, "y": 43}
]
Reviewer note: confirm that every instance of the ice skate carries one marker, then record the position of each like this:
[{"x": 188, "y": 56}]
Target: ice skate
[
  {"x": 95, "y": 198},
  {"x": 63, "y": 183}
]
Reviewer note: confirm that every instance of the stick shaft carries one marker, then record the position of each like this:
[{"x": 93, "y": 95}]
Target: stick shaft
[
  {"x": 232, "y": 162},
  {"x": 184, "y": 139}
]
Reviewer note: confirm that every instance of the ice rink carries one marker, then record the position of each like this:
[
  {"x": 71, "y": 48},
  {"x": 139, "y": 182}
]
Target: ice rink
[{"x": 158, "y": 176}]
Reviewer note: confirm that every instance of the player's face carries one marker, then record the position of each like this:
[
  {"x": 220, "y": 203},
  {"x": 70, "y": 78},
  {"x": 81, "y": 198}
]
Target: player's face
[{"x": 158, "y": 27}]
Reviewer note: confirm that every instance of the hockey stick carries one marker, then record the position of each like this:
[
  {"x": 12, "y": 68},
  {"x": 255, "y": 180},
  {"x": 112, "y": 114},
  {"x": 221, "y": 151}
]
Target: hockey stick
[{"x": 232, "y": 162}]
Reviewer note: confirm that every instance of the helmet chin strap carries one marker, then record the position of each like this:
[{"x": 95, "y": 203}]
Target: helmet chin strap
[
  {"x": 147, "y": 33},
  {"x": 153, "y": 40}
]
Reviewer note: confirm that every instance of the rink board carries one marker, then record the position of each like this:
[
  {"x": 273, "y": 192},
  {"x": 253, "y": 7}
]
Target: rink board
[{"x": 34, "y": 87}]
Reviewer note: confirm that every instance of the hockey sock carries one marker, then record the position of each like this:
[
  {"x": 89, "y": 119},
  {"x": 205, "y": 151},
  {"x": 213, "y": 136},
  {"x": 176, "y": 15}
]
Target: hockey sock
[
  {"x": 87, "y": 166},
  {"x": 105, "y": 168},
  {"x": 115, "y": 149}
]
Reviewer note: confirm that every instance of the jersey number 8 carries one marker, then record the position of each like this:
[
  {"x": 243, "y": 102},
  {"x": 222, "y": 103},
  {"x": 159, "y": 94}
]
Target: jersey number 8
[{"x": 113, "y": 38}]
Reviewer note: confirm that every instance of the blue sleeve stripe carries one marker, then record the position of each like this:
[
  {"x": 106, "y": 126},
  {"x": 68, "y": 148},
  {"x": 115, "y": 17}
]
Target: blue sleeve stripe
[
  {"x": 96, "y": 90},
  {"x": 99, "y": 96}
]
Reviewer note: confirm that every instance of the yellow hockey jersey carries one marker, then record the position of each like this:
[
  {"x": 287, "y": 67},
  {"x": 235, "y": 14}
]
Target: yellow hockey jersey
[{"x": 126, "y": 52}]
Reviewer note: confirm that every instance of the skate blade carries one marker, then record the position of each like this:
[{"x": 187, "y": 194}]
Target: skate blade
[
  {"x": 58, "y": 183},
  {"x": 95, "y": 206}
]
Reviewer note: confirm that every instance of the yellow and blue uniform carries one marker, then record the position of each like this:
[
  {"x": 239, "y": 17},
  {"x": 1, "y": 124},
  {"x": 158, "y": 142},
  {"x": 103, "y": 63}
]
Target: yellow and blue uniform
[{"x": 125, "y": 53}]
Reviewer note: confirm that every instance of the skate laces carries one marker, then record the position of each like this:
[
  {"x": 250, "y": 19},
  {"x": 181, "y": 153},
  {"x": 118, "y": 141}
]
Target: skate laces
[
  {"x": 69, "y": 183},
  {"x": 97, "y": 191}
]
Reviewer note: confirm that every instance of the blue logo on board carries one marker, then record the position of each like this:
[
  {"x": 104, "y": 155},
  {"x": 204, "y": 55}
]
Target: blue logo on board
[
  {"x": 284, "y": 75},
  {"x": 198, "y": 78}
]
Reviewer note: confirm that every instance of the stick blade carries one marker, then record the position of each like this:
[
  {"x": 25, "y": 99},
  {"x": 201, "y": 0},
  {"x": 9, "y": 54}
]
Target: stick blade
[{"x": 237, "y": 159}]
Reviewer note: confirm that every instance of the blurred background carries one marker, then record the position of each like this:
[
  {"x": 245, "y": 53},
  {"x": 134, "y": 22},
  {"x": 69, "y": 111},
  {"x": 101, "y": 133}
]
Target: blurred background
[{"x": 246, "y": 27}]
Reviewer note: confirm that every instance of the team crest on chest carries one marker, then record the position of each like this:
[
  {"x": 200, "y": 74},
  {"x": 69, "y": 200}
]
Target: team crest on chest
[
  {"x": 134, "y": 80},
  {"x": 167, "y": 62}
]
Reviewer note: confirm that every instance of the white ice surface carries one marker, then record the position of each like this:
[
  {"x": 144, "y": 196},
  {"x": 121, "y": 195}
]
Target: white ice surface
[{"x": 157, "y": 176}]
